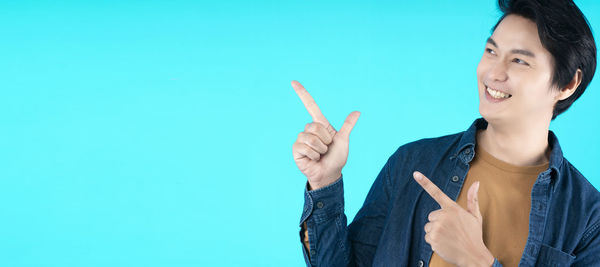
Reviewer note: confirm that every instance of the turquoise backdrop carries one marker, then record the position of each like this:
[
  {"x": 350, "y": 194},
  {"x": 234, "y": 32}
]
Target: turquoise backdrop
[{"x": 159, "y": 133}]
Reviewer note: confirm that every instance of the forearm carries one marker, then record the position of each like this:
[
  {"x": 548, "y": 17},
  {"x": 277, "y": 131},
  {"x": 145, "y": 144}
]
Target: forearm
[{"x": 327, "y": 237}]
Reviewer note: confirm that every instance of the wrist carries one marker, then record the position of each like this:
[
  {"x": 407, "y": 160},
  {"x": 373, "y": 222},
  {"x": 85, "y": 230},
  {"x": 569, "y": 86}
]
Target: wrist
[
  {"x": 318, "y": 185},
  {"x": 484, "y": 258}
]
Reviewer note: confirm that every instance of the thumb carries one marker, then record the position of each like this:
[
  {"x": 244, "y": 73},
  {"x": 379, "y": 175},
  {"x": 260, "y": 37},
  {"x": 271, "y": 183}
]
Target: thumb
[
  {"x": 473, "y": 201},
  {"x": 349, "y": 124}
]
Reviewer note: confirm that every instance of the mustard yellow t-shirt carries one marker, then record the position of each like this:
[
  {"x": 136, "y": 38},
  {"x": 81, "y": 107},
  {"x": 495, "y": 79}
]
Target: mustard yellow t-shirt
[{"x": 504, "y": 201}]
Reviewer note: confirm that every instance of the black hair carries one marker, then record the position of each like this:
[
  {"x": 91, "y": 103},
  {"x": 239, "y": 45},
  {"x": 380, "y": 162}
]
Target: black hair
[{"x": 566, "y": 34}]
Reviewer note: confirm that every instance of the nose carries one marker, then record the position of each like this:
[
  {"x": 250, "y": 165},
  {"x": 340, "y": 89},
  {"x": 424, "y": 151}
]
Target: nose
[{"x": 497, "y": 72}]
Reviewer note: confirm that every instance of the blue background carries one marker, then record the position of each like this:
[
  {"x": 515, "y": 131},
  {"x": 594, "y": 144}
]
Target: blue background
[{"x": 159, "y": 133}]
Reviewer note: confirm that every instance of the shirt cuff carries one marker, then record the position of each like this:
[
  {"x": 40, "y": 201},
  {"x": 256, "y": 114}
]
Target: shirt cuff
[{"x": 323, "y": 203}]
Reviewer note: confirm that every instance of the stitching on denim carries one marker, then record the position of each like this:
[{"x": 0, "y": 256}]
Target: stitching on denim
[
  {"x": 312, "y": 245},
  {"x": 306, "y": 214},
  {"x": 340, "y": 228},
  {"x": 589, "y": 232}
]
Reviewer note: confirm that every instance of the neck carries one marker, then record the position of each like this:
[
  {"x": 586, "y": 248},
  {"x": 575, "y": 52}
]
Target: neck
[{"x": 520, "y": 145}]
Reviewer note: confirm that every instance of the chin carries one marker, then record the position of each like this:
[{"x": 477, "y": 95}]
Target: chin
[{"x": 489, "y": 115}]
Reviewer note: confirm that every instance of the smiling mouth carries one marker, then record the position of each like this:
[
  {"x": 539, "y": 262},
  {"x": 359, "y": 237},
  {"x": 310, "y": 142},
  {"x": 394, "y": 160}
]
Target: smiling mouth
[{"x": 497, "y": 94}]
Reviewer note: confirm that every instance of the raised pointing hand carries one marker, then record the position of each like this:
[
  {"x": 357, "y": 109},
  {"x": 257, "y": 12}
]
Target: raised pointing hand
[
  {"x": 320, "y": 152},
  {"x": 454, "y": 233}
]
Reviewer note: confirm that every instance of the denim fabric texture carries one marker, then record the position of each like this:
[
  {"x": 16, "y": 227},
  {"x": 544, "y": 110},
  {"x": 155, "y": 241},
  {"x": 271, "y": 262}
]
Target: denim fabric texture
[{"x": 564, "y": 221}]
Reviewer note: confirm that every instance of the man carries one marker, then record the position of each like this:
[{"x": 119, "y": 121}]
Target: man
[{"x": 499, "y": 194}]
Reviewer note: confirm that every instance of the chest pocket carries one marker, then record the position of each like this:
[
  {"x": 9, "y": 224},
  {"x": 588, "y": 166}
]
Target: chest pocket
[{"x": 553, "y": 257}]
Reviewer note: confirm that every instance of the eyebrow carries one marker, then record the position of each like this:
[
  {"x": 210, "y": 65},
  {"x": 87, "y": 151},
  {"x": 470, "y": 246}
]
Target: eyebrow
[{"x": 514, "y": 51}]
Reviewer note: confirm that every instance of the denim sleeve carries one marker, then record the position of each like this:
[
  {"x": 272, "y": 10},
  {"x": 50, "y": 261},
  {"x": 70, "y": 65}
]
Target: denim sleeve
[
  {"x": 332, "y": 242},
  {"x": 326, "y": 224},
  {"x": 586, "y": 253}
]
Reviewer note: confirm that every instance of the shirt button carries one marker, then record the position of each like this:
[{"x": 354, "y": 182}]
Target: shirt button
[
  {"x": 420, "y": 263},
  {"x": 320, "y": 205},
  {"x": 313, "y": 252},
  {"x": 455, "y": 178},
  {"x": 468, "y": 151}
]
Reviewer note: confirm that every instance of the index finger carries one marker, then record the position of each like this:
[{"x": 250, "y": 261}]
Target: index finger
[
  {"x": 433, "y": 190},
  {"x": 309, "y": 103}
]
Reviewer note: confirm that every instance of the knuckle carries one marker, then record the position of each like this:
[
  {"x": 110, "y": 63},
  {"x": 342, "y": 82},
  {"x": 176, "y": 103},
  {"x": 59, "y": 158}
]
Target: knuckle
[
  {"x": 330, "y": 128},
  {"x": 302, "y": 148},
  {"x": 320, "y": 131},
  {"x": 311, "y": 140},
  {"x": 432, "y": 235},
  {"x": 441, "y": 217},
  {"x": 442, "y": 213},
  {"x": 309, "y": 127},
  {"x": 298, "y": 147},
  {"x": 314, "y": 139},
  {"x": 327, "y": 137},
  {"x": 319, "y": 128},
  {"x": 309, "y": 149},
  {"x": 313, "y": 154},
  {"x": 316, "y": 142},
  {"x": 316, "y": 126}
]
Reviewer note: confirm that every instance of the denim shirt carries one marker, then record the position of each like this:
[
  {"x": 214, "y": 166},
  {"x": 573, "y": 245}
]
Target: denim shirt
[{"x": 388, "y": 230}]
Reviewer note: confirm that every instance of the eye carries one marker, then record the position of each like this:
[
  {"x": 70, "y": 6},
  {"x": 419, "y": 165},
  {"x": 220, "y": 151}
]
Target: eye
[
  {"x": 519, "y": 61},
  {"x": 490, "y": 51}
]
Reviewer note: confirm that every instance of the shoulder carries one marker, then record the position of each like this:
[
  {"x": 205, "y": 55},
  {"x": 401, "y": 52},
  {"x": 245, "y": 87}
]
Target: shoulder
[
  {"x": 427, "y": 148},
  {"x": 572, "y": 180},
  {"x": 433, "y": 148},
  {"x": 423, "y": 155}
]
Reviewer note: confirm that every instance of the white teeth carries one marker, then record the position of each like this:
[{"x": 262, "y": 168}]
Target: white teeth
[{"x": 496, "y": 94}]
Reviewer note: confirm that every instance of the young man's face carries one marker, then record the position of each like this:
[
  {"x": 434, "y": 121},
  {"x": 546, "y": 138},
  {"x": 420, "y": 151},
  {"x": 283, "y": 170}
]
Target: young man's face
[{"x": 518, "y": 70}]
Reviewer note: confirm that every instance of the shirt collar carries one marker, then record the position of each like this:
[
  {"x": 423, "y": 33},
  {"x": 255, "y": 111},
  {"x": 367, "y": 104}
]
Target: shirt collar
[{"x": 467, "y": 144}]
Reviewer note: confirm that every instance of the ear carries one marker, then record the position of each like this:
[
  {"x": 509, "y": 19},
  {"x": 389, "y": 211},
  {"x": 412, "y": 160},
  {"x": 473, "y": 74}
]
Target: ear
[{"x": 568, "y": 90}]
